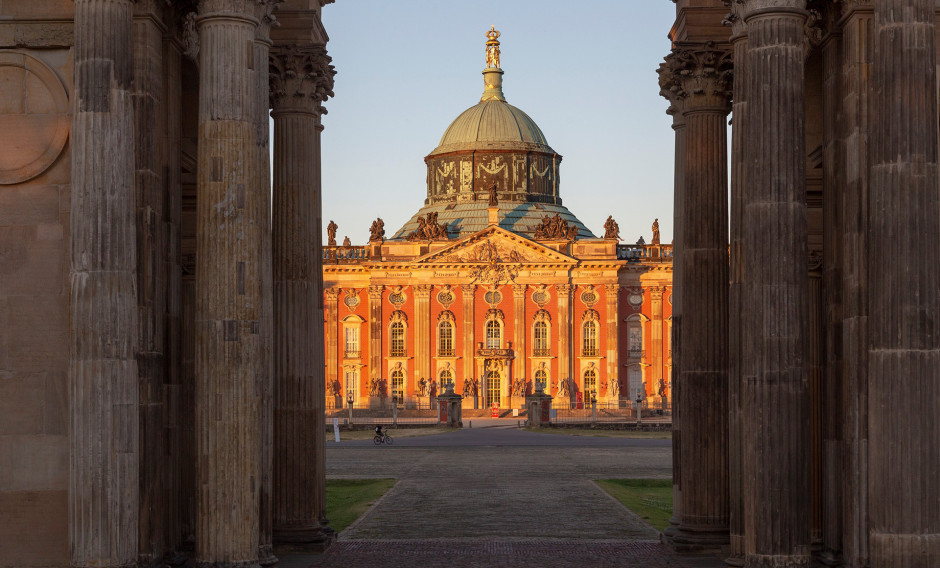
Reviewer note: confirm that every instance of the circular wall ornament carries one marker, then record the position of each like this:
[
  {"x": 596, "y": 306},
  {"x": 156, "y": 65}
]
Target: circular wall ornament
[
  {"x": 589, "y": 296},
  {"x": 446, "y": 297},
  {"x": 352, "y": 299},
  {"x": 540, "y": 296},
  {"x": 397, "y": 298},
  {"x": 493, "y": 297},
  {"x": 635, "y": 299},
  {"x": 34, "y": 120}
]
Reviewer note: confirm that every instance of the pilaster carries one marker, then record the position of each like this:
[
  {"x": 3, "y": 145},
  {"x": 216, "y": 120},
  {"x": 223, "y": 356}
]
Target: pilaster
[
  {"x": 423, "y": 332},
  {"x": 332, "y": 346},
  {"x": 375, "y": 333},
  {"x": 519, "y": 327},
  {"x": 774, "y": 395},
  {"x": 301, "y": 79},
  {"x": 104, "y": 454},
  {"x": 612, "y": 293},
  {"x": 468, "y": 292},
  {"x": 565, "y": 360}
]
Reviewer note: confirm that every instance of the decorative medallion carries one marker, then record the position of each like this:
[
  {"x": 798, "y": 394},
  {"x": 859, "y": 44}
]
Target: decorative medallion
[
  {"x": 540, "y": 296},
  {"x": 397, "y": 297},
  {"x": 590, "y": 315},
  {"x": 635, "y": 299},
  {"x": 352, "y": 299},
  {"x": 493, "y": 297},
  {"x": 589, "y": 296},
  {"x": 494, "y": 314},
  {"x": 446, "y": 297}
]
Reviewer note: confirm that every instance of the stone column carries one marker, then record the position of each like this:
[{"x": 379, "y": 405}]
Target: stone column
[
  {"x": 735, "y": 292},
  {"x": 332, "y": 333},
  {"x": 232, "y": 214},
  {"x": 150, "y": 165},
  {"x": 301, "y": 80},
  {"x": 904, "y": 282},
  {"x": 613, "y": 310},
  {"x": 423, "y": 332},
  {"x": 697, "y": 77},
  {"x": 467, "y": 292},
  {"x": 856, "y": 84},
  {"x": 564, "y": 341},
  {"x": 375, "y": 334},
  {"x": 776, "y": 297},
  {"x": 817, "y": 347},
  {"x": 519, "y": 328},
  {"x": 103, "y": 383}
]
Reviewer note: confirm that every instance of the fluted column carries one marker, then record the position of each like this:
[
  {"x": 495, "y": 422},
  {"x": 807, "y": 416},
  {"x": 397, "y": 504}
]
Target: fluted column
[
  {"x": 301, "y": 80},
  {"x": 467, "y": 293},
  {"x": 776, "y": 290},
  {"x": 736, "y": 307},
  {"x": 904, "y": 282},
  {"x": 375, "y": 334},
  {"x": 612, "y": 292},
  {"x": 519, "y": 327},
  {"x": 232, "y": 214},
  {"x": 331, "y": 317},
  {"x": 103, "y": 384},
  {"x": 697, "y": 78},
  {"x": 423, "y": 332},
  {"x": 564, "y": 339}
]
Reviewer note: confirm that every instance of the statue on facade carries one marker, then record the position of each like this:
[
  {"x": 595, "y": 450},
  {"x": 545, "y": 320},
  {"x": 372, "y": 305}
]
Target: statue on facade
[
  {"x": 572, "y": 233},
  {"x": 492, "y": 48},
  {"x": 346, "y": 242},
  {"x": 555, "y": 228},
  {"x": 469, "y": 387},
  {"x": 331, "y": 233},
  {"x": 662, "y": 388},
  {"x": 377, "y": 230},
  {"x": 611, "y": 229},
  {"x": 492, "y": 191},
  {"x": 656, "y": 231},
  {"x": 429, "y": 229}
]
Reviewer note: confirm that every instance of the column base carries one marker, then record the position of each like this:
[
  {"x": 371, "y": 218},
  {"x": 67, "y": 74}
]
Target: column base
[
  {"x": 777, "y": 561},
  {"x": 306, "y": 538},
  {"x": 266, "y": 555},
  {"x": 221, "y": 564},
  {"x": 686, "y": 540}
]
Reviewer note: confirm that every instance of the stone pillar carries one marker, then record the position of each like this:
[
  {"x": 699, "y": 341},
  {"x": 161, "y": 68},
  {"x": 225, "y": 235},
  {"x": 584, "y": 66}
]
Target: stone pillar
[
  {"x": 856, "y": 84},
  {"x": 150, "y": 155},
  {"x": 375, "y": 334},
  {"x": 904, "y": 282},
  {"x": 775, "y": 403},
  {"x": 613, "y": 309},
  {"x": 301, "y": 80},
  {"x": 564, "y": 341},
  {"x": 467, "y": 292},
  {"x": 519, "y": 328},
  {"x": 735, "y": 292},
  {"x": 103, "y": 383},
  {"x": 232, "y": 214},
  {"x": 332, "y": 333},
  {"x": 423, "y": 333},
  {"x": 817, "y": 347},
  {"x": 697, "y": 78}
]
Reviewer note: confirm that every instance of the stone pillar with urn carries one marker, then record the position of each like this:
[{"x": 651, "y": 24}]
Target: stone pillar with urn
[
  {"x": 301, "y": 80},
  {"x": 696, "y": 79}
]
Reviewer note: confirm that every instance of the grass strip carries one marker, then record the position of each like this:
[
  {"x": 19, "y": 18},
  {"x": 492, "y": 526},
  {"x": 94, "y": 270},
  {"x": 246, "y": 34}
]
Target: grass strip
[
  {"x": 348, "y": 499},
  {"x": 650, "y": 499}
]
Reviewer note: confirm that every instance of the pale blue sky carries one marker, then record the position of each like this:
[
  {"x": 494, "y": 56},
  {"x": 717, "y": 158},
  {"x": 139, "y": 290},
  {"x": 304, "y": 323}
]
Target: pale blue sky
[{"x": 584, "y": 71}]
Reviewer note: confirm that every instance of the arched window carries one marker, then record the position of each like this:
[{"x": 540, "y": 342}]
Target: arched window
[
  {"x": 398, "y": 383},
  {"x": 540, "y": 346},
  {"x": 445, "y": 339},
  {"x": 493, "y": 335},
  {"x": 397, "y": 334},
  {"x": 590, "y": 382},
  {"x": 446, "y": 378},
  {"x": 589, "y": 339},
  {"x": 541, "y": 379},
  {"x": 493, "y": 389}
]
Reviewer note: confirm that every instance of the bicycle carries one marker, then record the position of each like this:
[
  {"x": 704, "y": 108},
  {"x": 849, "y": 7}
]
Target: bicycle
[{"x": 382, "y": 438}]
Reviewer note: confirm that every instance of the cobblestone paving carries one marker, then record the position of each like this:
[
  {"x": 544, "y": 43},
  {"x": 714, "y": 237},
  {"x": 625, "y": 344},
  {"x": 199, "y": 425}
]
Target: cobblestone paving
[{"x": 495, "y": 506}]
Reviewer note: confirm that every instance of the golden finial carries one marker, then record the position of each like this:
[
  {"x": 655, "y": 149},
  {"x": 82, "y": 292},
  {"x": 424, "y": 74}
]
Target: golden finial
[{"x": 492, "y": 48}]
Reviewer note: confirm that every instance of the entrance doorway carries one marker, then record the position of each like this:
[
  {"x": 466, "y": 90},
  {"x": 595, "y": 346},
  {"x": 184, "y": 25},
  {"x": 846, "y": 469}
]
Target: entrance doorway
[{"x": 493, "y": 384}]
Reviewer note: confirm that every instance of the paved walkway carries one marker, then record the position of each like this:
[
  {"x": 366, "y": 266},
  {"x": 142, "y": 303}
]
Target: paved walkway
[{"x": 498, "y": 497}]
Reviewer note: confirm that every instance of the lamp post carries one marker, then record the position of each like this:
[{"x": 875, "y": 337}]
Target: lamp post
[
  {"x": 594, "y": 406},
  {"x": 639, "y": 409},
  {"x": 349, "y": 401}
]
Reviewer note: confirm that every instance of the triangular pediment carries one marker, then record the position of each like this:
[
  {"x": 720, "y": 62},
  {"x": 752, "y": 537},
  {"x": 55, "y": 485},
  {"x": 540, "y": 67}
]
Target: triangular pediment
[{"x": 495, "y": 244}]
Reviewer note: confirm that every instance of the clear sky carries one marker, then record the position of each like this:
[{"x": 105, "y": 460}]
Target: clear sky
[{"x": 584, "y": 71}]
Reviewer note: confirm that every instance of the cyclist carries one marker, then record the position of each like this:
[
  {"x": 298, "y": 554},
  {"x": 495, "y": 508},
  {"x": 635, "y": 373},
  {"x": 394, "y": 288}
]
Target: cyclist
[{"x": 378, "y": 430}]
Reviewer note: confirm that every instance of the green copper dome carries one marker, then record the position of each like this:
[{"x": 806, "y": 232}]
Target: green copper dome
[{"x": 493, "y": 124}]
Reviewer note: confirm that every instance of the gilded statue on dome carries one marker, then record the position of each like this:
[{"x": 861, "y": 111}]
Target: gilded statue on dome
[{"x": 492, "y": 48}]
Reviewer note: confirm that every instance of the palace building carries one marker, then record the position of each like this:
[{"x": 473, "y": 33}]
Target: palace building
[{"x": 494, "y": 287}]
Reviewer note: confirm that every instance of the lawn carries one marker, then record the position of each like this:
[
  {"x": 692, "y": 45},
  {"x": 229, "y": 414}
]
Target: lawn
[
  {"x": 348, "y": 499},
  {"x": 650, "y": 499}
]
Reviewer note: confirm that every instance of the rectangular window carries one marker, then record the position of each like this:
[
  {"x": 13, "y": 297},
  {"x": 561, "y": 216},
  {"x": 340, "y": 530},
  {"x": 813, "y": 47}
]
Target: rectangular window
[
  {"x": 352, "y": 342},
  {"x": 351, "y": 384},
  {"x": 590, "y": 340},
  {"x": 636, "y": 341},
  {"x": 541, "y": 349}
]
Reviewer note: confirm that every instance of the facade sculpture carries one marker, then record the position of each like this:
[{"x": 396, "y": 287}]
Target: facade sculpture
[
  {"x": 331, "y": 233},
  {"x": 612, "y": 230},
  {"x": 377, "y": 230}
]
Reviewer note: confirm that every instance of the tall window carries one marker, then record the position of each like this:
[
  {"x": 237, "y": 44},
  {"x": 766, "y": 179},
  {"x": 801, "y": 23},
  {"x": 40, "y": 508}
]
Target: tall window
[
  {"x": 397, "y": 339},
  {"x": 352, "y": 342},
  {"x": 447, "y": 378},
  {"x": 493, "y": 335},
  {"x": 445, "y": 339},
  {"x": 589, "y": 339},
  {"x": 398, "y": 383},
  {"x": 541, "y": 379},
  {"x": 590, "y": 382},
  {"x": 351, "y": 383},
  {"x": 493, "y": 393},
  {"x": 540, "y": 333},
  {"x": 635, "y": 334}
]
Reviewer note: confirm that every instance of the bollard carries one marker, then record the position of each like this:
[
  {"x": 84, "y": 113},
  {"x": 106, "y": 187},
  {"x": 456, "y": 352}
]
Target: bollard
[{"x": 471, "y": 423}]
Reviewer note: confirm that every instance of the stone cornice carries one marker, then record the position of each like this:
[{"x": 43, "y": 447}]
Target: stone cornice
[
  {"x": 300, "y": 78},
  {"x": 697, "y": 77}
]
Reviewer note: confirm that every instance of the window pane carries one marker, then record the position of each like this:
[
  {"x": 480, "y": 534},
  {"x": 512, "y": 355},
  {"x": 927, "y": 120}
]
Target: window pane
[
  {"x": 492, "y": 335},
  {"x": 590, "y": 339},
  {"x": 445, "y": 344}
]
